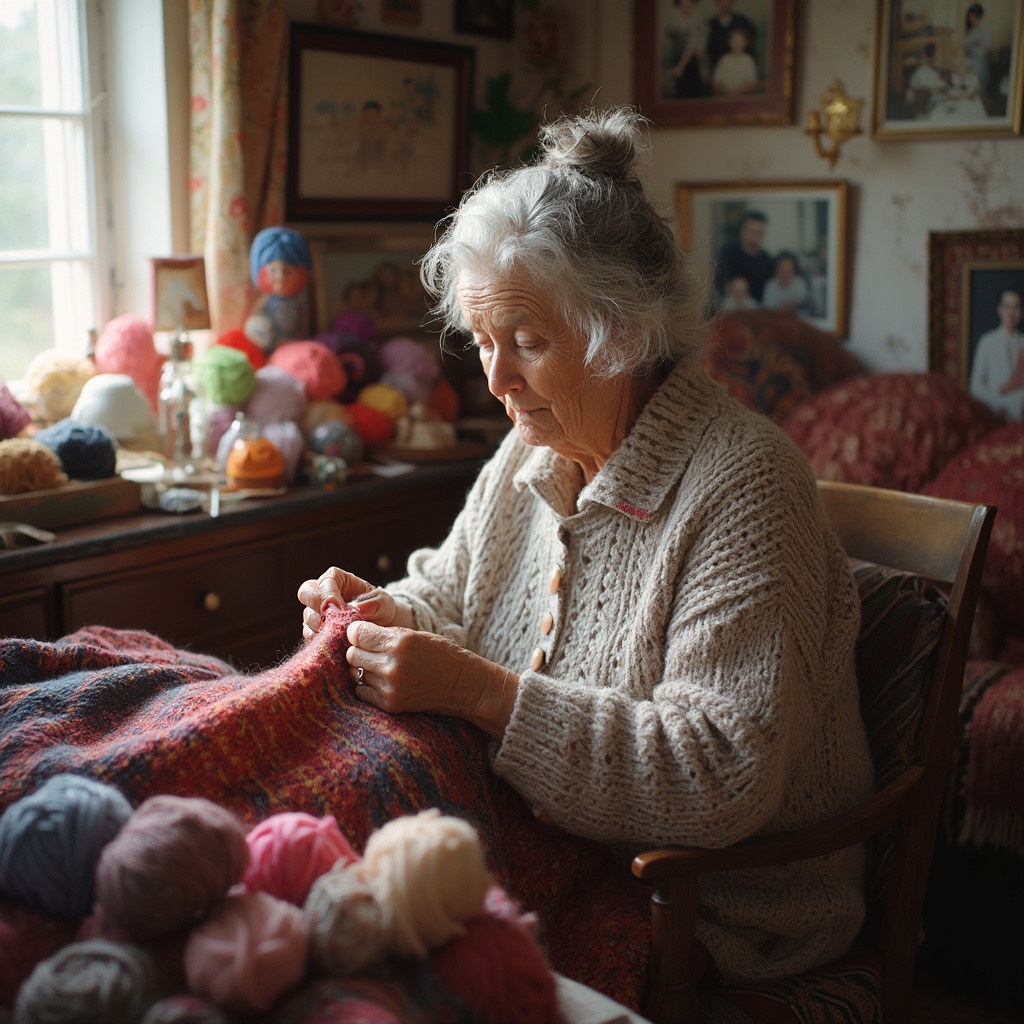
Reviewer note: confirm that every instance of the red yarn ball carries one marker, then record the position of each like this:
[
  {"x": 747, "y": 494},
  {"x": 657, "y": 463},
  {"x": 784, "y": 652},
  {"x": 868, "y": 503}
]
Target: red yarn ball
[
  {"x": 498, "y": 970},
  {"x": 125, "y": 345},
  {"x": 237, "y": 339},
  {"x": 444, "y": 400},
  {"x": 372, "y": 425},
  {"x": 289, "y": 851}
]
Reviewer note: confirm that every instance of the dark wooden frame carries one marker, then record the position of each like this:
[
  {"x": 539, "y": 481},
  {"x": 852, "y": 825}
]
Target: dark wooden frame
[
  {"x": 952, "y": 257},
  {"x": 395, "y": 58},
  {"x": 773, "y": 106}
]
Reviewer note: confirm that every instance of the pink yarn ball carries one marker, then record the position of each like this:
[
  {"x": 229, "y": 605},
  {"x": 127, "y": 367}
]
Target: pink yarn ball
[
  {"x": 125, "y": 345},
  {"x": 277, "y": 397},
  {"x": 170, "y": 864},
  {"x": 499, "y": 971},
  {"x": 288, "y": 852},
  {"x": 353, "y": 321},
  {"x": 315, "y": 365},
  {"x": 14, "y": 417},
  {"x": 247, "y": 954}
]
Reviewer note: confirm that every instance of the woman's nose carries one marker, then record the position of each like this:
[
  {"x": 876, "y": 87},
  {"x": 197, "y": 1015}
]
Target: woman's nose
[{"x": 502, "y": 376}]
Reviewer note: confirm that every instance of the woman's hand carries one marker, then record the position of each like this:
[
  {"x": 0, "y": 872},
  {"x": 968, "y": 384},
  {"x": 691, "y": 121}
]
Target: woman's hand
[
  {"x": 405, "y": 670},
  {"x": 335, "y": 586}
]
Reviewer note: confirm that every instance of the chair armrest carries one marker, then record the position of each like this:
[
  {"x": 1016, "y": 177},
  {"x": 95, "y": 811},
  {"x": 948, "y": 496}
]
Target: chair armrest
[{"x": 836, "y": 833}]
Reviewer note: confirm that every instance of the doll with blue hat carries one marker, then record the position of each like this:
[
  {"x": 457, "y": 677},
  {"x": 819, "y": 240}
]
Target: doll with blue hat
[{"x": 279, "y": 265}]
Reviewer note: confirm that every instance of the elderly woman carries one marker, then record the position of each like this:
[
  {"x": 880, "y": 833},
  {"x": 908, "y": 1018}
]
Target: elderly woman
[{"x": 641, "y": 601}]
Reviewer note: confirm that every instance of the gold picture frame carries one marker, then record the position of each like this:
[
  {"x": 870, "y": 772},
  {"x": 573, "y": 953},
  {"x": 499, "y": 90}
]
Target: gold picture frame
[
  {"x": 800, "y": 221},
  {"x": 178, "y": 293},
  {"x": 942, "y": 75},
  {"x": 967, "y": 273}
]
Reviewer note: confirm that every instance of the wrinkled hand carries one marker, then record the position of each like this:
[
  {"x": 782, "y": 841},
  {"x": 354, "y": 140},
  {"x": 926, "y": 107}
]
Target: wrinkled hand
[
  {"x": 335, "y": 586},
  {"x": 406, "y": 670}
]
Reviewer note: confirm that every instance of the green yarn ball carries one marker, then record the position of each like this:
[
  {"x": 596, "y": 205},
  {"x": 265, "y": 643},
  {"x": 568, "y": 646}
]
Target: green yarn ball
[{"x": 224, "y": 375}]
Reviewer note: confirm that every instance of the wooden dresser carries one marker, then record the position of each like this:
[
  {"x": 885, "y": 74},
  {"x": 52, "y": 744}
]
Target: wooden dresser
[{"x": 226, "y": 585}]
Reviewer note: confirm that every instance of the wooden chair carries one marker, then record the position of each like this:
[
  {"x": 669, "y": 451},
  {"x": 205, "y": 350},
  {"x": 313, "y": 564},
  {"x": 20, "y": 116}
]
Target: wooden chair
[{"x": 935, "y": 540}]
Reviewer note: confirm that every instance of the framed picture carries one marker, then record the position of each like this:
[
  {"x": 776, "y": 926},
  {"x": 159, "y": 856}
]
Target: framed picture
[
  {"x": 948, "y": 69},
  {"x": 403, "y": 12},
  {"x": 773, "y": 245},
  {"x": 373, "y": 273},
  {"x": 693, "y": 68},
  {"x": 975, "y": 325},
  {"x": 485, "y": 17},
  {"x": 377, "y": 125},
  {"x": 178, "y": 290}
]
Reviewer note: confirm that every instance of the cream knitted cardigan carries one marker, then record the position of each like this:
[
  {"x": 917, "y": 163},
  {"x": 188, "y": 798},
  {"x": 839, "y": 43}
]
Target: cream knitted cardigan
[{"x": 697, "y": 683}]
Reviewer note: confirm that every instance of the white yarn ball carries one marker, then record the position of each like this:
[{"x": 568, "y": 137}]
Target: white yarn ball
[{"x": 345, "y": 923}]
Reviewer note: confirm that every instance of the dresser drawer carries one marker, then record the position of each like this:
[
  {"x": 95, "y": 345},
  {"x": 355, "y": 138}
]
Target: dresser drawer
[
  {"x": 199, "y": 601},
  {"x": 27, "y": 613}
]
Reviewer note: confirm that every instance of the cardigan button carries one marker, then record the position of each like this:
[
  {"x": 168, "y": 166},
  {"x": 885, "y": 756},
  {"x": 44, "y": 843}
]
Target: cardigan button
[
  {"x": 546, "y": 623},
  {"x": 564, "y": 535},
  {"x": 537, "y": 661},
  {"x": 556, "y": 581}
]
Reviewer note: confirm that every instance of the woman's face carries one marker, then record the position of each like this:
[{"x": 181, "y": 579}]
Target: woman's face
[
  {"x": 1010, "y": 311},
  {"x": 534, "y": 365}
]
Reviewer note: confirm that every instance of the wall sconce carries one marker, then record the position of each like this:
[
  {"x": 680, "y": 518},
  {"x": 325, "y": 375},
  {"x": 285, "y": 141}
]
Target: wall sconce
[{"x": 841, "y": 122}]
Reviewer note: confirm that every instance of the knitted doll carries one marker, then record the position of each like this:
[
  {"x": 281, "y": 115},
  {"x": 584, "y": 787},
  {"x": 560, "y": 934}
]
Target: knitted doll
[{"x": 279, "y": 265}]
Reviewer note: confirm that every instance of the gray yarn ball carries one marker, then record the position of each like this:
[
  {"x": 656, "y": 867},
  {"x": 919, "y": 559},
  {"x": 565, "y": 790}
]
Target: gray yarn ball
[
  {"x": 94, "y": 982},
  {"x": 345, "y": 923},
  {"x": 51, "y": 841}
]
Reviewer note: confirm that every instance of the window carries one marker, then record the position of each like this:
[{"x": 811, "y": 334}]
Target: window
[{"x": 49, "y": 266}]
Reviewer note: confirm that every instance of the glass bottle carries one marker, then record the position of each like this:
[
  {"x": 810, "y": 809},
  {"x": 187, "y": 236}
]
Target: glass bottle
[{"x": 175, "y": 400}]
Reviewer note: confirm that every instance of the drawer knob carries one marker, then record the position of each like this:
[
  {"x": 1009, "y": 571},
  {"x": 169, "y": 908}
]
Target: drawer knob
[
  {"x": 211, "y": 600},
  {"x": 383, "y": 563}
]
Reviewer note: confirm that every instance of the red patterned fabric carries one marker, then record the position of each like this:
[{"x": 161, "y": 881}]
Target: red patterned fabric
[
  {"x": 126, "y": 708},
  {"x": 992, "y": 471},
  {"x": 773, "y": 361},
  {"x": 894, "y": 430}
]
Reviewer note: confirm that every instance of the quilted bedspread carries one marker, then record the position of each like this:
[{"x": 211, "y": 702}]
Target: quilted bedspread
[{"x": 127, "y": 708}]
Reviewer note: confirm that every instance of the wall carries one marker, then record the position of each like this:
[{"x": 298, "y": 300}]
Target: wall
[{"x": 899, "y": 191}]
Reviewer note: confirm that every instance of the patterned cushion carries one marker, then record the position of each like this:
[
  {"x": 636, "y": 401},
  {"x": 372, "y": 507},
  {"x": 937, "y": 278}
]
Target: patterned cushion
[
  {"x": 773, "y": 361},
  {"x": 895, "y": 430},
  {"x": 992, "y": 471},
  {"x": 901, "y": 622}
]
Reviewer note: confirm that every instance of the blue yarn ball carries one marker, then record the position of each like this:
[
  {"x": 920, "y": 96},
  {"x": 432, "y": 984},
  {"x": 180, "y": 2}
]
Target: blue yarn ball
[
  {"x": 336, "y": 440},
  {"x": 51, "y": 841},
  {"x": 85, "y": 452}
]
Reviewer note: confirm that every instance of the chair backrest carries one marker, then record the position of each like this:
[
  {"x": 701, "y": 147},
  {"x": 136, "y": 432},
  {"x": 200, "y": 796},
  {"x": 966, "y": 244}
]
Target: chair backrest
[{"x": 943, "y": 542}]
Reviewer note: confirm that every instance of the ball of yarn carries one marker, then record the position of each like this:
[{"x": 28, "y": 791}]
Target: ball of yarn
[
  {"x": 125, "y": 345},
  {"x": 277, "y": 397},
  {"x": 251, "y": 950},
  {"x": 26, "y": 465},
  {"x": 94, "y": 982},
  {"x": 372, "y": 425},
  {"x": 359, "y": 358},
  {"x": 236, "y": 339},
  {"x": 288, "y": 852},
  {"x": 321, "y": 412},
  {"x": 355, "y": 321},
  {"x": 497, "y": 969},
  {"x": 336, "y": 440},
  {"x": 14, "y": 417},
  {"x": 326, "y": 473},
  {"x": 224, "y": 375},
  {"x": 53, "y": 383},
  {"x": 175, "y": 858},
  {"x": 411, "y": 362},
  {"x": 287, "y": 439},
  {"x": 85, "y": 452},
  {"x": 345, "y": 924},
  {"x": 52, "y": 840},
  {"x": 183, "y": 1009},
  {"x": 386, "y": 399},
  {"x": 112, "y": 401},
  {"x": 444, "y": 399},
  {"x": 429, "y": 875},
  {"x": 217, "y": 422},
  {"x": 314, "y": 365}
]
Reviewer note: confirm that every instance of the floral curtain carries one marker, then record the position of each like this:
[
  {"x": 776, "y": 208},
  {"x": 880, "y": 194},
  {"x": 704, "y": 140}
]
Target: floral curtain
[{"x": 238, "y": 150}]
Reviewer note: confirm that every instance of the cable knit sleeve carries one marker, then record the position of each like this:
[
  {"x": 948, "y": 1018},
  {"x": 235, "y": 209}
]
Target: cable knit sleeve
[{"x": 714, "y": 697}]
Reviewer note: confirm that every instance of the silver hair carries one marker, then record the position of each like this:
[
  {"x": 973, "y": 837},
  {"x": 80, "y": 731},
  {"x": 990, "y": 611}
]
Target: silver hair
[{"x": 580, "y": 226}]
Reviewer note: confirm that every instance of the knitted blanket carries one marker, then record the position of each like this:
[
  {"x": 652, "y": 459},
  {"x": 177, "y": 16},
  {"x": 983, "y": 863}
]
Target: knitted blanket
[{"x": 127, "y": 708}]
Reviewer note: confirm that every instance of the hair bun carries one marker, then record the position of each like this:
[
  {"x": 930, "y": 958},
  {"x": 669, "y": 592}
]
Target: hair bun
[{"x": 597, "y": 142}]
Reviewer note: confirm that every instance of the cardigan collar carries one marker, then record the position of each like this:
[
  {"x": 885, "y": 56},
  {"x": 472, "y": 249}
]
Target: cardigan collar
[{"x": 649, "y": 462}]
